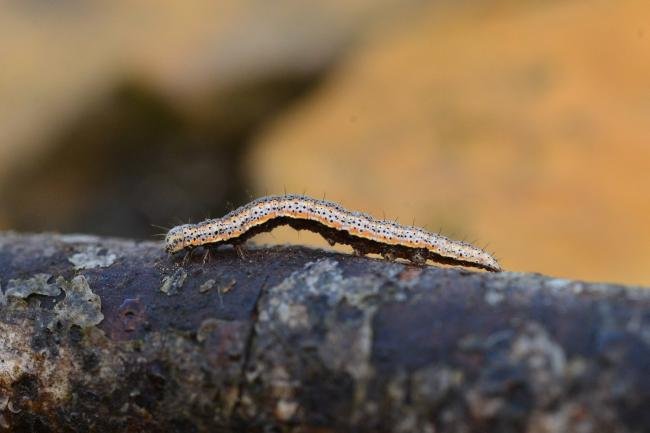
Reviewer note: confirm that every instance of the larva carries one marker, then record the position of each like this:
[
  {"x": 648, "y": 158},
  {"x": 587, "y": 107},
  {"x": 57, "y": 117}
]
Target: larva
[{"x": 365, "y": 234}]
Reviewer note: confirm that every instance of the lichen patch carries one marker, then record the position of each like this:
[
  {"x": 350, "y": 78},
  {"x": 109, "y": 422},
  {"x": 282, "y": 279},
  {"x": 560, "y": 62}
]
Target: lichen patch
[
  {"x": 295, "y": 316},
  {"x": 207, "y": 286},
  {"x": 171, "y": 284},
  {"x": 78, "y": 238},
  {"x": 37, "y": 285},
  {"x": 80, "y": 306},
  {"x": 21, "y": 360},
  {"x": 15, "y": 352},
  {"x": 319, "y": 310},
  {"x": 336, "y": 353},
  {"x": 92, "y": 256},
  {"x": 543, "y": 357}
]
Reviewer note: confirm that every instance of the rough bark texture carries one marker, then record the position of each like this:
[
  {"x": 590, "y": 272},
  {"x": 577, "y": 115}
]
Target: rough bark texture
[{"x": 111, "y": 335}]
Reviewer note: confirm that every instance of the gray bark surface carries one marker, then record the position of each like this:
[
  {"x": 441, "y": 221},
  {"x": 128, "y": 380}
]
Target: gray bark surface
[{"x": 101, "y": 334}]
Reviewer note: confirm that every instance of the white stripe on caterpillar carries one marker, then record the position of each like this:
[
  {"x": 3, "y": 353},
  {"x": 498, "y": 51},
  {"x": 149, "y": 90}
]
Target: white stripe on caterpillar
[{"x": 336, "y": 224}]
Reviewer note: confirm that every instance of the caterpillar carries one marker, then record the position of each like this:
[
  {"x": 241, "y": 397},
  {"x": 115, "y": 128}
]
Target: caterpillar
[{"x": 364, "y": 233}]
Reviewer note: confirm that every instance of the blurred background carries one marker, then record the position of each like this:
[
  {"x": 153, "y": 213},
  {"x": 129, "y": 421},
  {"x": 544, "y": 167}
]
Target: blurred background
[{"x": 524, "y": 125}]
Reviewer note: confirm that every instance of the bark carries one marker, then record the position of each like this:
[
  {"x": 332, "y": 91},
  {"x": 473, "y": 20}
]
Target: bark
[{"x": 103, "y": 335}]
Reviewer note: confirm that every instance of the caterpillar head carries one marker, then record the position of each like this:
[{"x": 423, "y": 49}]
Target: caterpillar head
[{"x": 176, "y": 239}]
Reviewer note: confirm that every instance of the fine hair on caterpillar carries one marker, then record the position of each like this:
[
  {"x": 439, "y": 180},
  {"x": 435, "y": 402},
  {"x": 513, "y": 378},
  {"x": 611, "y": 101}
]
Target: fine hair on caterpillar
[{"x": 365, "y": 234}]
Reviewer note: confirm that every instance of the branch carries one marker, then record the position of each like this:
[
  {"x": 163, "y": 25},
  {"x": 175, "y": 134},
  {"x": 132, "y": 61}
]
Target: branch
[{"x": 102, "y": 334}]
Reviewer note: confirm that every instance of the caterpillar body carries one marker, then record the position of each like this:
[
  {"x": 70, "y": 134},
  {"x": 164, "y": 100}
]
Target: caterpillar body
[{"x": 364, "y": 233}]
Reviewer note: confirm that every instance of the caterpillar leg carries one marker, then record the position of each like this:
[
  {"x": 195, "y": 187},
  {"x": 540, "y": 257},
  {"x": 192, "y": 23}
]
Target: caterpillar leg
[
  {"x": 359, "y": 250},
  {"x": 186, "y": 257},
  {"x": 206, "y": 256},
  {"x": 389, "y": 255},
  {"x": 240, "y": 250},
  {"x": 418, "y": 258}
]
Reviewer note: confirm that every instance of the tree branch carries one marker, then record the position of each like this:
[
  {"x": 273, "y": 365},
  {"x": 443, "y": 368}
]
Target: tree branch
[{"x": 102, "y": 334}]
